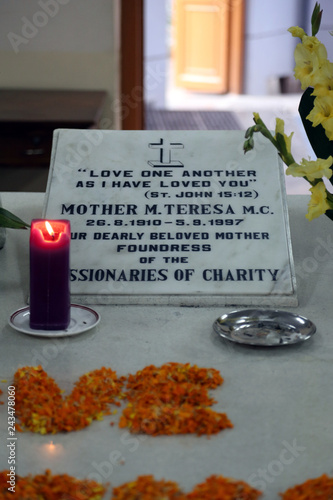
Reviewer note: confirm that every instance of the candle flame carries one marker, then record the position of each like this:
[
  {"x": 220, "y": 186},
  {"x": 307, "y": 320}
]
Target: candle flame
[{"x": 49, "y": 228}]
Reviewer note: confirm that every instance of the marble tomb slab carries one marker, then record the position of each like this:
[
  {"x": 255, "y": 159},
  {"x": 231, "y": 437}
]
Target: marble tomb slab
[{"x": 172, "y": 217}]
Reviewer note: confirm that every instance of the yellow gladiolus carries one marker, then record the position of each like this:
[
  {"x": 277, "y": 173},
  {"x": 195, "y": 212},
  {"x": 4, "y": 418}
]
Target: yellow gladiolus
[
  {"x": 311, "y": 169},
  {"x": 279, "y": 129},
  {"x": 315, "y": 73},
  {"x": 305, "y": 66},
  {"x": 310, "y": 57},
  {"x": 328, "y": 126},
  {"x": 279, "y": 126},
  {"x": 323, "y": 79},
  {"x": 297, "y": 32},
  {"x": 314, "y": 46},
  {"x": 322, "y": 113},
  {"x": 318, "y": 203}
]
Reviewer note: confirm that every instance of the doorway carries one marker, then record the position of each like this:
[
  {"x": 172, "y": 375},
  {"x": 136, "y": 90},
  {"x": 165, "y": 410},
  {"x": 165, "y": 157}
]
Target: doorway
[{"x": 207, "y": 53}]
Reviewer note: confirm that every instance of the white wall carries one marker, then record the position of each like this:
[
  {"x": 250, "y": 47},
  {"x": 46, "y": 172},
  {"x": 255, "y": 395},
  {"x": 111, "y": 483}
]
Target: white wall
[
  {"x": 61, "y": 44},
  {"x": 155, "y": 52},
  {"x": 74, "y": 44},
  {"x": 268, "y": 46}
]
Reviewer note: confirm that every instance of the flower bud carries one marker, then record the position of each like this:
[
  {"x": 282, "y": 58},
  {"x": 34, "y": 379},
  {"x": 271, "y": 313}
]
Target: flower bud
[{"x": 316, "y": 19}]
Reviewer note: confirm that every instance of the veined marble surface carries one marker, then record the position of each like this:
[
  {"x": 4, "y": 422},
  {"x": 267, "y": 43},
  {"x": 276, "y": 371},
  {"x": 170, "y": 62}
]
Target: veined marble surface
[{"x": 277, "y": 398}]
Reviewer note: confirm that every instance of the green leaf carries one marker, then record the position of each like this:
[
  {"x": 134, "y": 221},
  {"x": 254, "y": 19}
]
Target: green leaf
[
  {"x": 7, "y": 219},
  {"x": 280, "y": 140},
  {"x": 316, "y": 19}
]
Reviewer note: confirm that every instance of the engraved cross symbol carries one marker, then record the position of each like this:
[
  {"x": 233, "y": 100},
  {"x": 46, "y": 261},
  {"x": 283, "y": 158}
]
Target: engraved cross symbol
[{"x": 165, "y": 159}]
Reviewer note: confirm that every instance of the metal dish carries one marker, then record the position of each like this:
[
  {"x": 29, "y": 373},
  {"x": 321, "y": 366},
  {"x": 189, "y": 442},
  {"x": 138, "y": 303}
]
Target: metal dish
[{"x": 264, "y": 327}]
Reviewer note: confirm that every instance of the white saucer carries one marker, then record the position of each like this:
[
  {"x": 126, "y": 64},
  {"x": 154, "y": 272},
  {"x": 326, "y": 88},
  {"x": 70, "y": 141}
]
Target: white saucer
[{"x": 82, "y": 319}]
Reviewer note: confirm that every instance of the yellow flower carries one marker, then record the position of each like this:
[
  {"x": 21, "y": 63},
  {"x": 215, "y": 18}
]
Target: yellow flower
[
  {"x": 310, "y": 56},
  {"x": 313, "y": 45},
  {"x": 328, "y": 126},
  {"x": 297, "y": 32},
  {"x": 305, "y": 64},
  {"x": 318, "y": 203},
  {"x": 312, "y": 170},
  {"x": 279, "y": 126},
  {"x": 322, "y": 113},
  {"x": 323, "y": 79},
  {"x": 279, "y": 129}
]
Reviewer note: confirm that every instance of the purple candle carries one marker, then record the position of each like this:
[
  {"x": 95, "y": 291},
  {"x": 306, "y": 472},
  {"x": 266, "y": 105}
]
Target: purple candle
[{"x": 49, "y": 274}]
